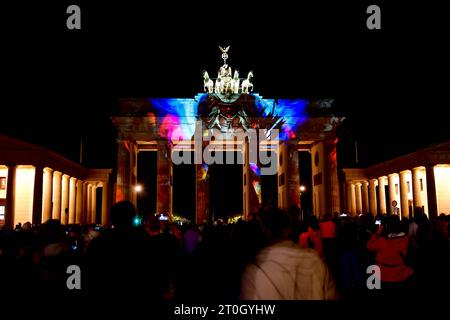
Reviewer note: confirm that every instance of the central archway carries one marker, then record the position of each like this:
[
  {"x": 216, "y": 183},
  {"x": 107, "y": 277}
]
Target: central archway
[{"x": 225, "y": 183}]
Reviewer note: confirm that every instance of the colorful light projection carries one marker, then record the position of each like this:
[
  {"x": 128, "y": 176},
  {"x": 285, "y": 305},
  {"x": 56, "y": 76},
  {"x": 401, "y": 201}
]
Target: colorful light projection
[
  {"x": 256, "y": 183},
  {"x": 257, "y": 186},
  {"x": 292, "y": 112},
  {"x": 256, "y": 170},
  {"x": 204, "y": 172},
  {"x": 178, "y": 115}
]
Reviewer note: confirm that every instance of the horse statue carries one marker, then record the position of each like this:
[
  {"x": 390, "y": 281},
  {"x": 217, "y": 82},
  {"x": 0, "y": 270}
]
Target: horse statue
[
  {"x": 208, "y": 84},
  {"x": 218, "y": 86},
  {"x": 235, "y": 82},
  {"x": 246, "y": 84}
]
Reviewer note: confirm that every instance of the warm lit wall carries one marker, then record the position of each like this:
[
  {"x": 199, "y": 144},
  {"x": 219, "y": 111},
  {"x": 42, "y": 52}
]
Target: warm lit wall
[
  {"x": 318, "y": 175},
  {"x": 442, "y": 180},
  {"x": 23, "y": 204},
  {"x": 423, "y": 193},
  {"x": 282, "y": 175},
  {"x": 3, "y": 173}
]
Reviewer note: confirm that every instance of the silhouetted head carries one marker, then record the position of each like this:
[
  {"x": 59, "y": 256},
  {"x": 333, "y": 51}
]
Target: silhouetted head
[
  {"x": 152, "y": 223},
  {"x": 26, "y": 226},
  {"x": 53, "y": 231},
  {"x": 393, "y": 224},
  {"x": 294, "y": 212},
  {"x": 328, "y": 216},
  {"x": 313, "y": 223},
  {"x": 275, "y": 225},
  {"x": 122, "y": 214}
]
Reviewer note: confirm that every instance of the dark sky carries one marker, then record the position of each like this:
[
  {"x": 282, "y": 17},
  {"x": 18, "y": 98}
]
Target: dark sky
[{"x": 61, "y": 86}]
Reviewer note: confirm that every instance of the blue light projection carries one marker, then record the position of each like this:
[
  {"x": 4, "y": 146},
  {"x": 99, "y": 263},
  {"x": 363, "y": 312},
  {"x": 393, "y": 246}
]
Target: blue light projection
[
  {"x": 256, "y": 170},
  {"x": 292, "y": 112},
  {"x": 178, "y": 115}
]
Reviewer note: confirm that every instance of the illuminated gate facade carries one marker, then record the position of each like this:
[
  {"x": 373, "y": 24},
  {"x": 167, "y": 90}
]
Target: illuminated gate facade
[{"x": 230, "y": 117}]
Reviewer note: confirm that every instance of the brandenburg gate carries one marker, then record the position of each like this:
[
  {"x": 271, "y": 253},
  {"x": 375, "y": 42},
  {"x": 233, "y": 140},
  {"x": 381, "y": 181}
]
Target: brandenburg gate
[{"x": 229, "y": 116}]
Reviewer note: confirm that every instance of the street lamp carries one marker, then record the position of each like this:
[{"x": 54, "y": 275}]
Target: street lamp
[
  {"x": 138, "y": 189},
  {"x": 302, "y": 189}
]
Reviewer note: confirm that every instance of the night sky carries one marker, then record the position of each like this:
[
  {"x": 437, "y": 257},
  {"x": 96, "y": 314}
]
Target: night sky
[{"x": 61, "y": 86}]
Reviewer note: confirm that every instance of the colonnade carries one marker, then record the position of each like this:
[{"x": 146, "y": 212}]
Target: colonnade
[
  {"x": 36, "y": 194},
  {"x": 409, "y": 189}
]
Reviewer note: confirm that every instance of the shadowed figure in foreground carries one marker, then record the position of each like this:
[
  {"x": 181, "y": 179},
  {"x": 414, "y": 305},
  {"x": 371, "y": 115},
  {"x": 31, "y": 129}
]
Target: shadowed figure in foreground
[
  {"x": 283, "y": 270},
  {"x": 126, "y": 261}
]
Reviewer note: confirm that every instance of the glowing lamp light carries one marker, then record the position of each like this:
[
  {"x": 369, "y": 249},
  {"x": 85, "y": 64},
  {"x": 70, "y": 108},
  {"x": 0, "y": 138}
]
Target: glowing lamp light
[
  {"x": 138, "y": 188},
  {"x": 302, "y": 188},
  {"x": 136, "y": 221}
]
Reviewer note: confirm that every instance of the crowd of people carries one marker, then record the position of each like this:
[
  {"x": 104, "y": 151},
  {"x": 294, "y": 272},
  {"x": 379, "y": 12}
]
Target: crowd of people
[{"x": 273, "y": 255}]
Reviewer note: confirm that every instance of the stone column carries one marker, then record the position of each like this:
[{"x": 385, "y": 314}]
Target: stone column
[
  {"x": 282, "y": 176},
  {"x": 38, "y": 194},
  {"x": 133, "y": 174},
  {"x": 373, "y": 196},
  {"x": 382, "y": 195},
  {"x": 88, "y": 215},
  {"x": 164, "y": 179},
  {"x": 353, "y": 193},
  {"x": 365, "y": 197},
  {"x": 72, "y": 199},
  {"x": 392, "y": 195},
  {"x": 417, "y": 198},
  {"x": 10, "y": 196},
  {"x": 246, "y": 181},
  {"x": 94, "y": 204},
  {"x": 431, "y": 193},
  {"x": 56, "y": 212},
  {"x": 333, "y": 198},
  {"x": 84, "y": 211},
  {"x": 105, "y": 209},
  {"x": 79, "y": 206},
  {"x": 349, "y": 198},
  {"x": 358, "y": 198},
  {"x": 293, "y": 176},
  {"x": 404, "y": 203},
  {"x": 201, "y": 195},
  {"x": 64, "y": 198},
  {"x": 123, "y": 187},
  {"x": 47, "y": 195}
]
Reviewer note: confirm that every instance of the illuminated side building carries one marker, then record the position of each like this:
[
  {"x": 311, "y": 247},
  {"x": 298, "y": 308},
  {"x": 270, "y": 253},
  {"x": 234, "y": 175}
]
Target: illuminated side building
[
  {"x": 37, "y": 184},
  {"x": 417, "y": 180}
]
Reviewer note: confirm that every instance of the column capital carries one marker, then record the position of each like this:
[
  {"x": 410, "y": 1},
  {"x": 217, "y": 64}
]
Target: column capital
[
  {"x": 57, "y": 173},
  {"x": 404, "y": 172},
  {"x": 416, "y": 169},
  {"x": 47, "y": 169},
  {"x": 392, "y": 175}
]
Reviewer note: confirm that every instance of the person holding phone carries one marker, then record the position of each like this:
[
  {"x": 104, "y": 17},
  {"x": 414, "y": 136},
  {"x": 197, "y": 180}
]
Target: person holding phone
[{"x": 390, "y": 244}]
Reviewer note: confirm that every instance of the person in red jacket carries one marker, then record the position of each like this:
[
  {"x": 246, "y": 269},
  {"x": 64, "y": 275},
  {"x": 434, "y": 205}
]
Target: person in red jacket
[
  {"x": 390, "y": 244},
  {"x": 310, "y": 237}
]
